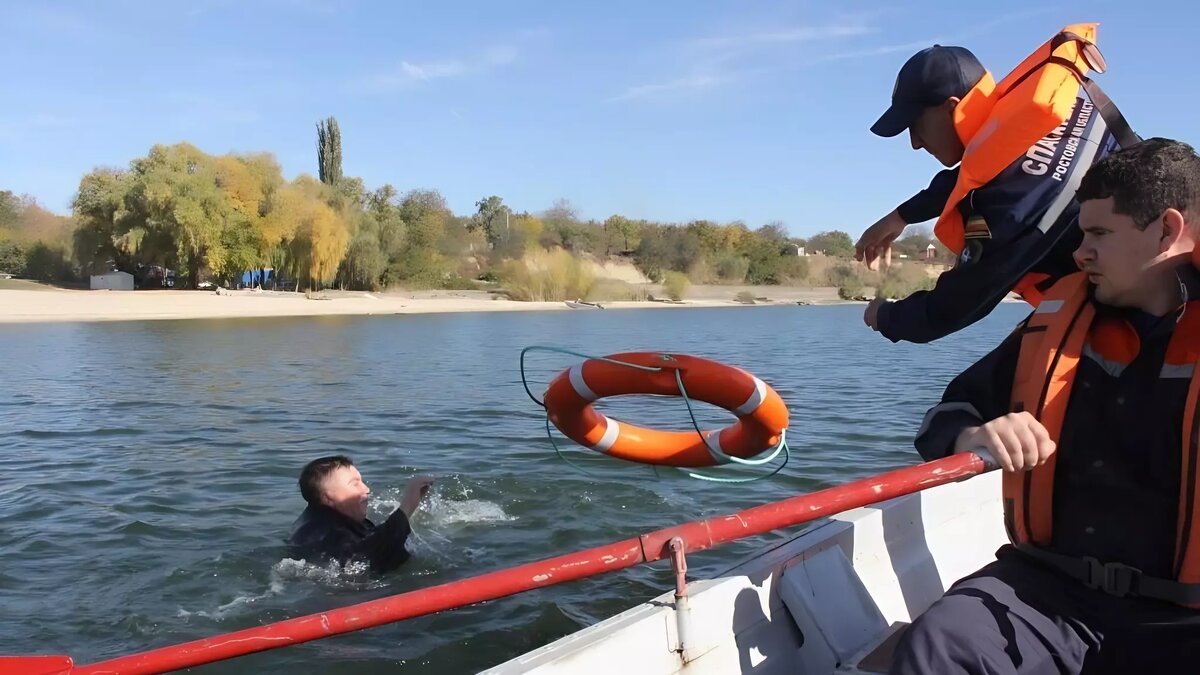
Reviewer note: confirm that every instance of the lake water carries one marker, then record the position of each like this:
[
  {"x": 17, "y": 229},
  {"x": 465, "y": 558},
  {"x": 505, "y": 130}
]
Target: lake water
[{"x": 149, "y": 468}]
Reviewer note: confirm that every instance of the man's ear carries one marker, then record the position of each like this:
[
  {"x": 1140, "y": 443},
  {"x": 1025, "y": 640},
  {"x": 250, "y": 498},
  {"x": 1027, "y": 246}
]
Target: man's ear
[
  {"x": 950, "y": 104},
  {"x": 1177, "y": 233}
]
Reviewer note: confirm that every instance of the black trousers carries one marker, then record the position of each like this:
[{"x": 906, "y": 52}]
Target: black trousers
[{"x": 1017, "y": 616}]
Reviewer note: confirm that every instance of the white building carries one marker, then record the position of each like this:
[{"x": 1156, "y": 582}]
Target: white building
[{"x": 113, "y": 281}]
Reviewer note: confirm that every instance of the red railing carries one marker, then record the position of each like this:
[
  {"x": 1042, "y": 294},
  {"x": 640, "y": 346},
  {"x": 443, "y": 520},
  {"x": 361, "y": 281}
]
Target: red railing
[{"x": 696, "y": 536}]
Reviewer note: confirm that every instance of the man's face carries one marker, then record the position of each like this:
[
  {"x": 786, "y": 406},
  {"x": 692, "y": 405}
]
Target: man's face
[
  {"x": 344, "y": 490},
  {"x": 933, "y": 131},
  {"x": 1115, "y": 254}
]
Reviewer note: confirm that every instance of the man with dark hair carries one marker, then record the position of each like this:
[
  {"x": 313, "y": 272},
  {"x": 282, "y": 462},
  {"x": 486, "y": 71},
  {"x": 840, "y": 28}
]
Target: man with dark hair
[
  {"x": 335, "y": 522},
  {"x": 1090, "y": 408},
  {"x": 1016, "y": 230}
]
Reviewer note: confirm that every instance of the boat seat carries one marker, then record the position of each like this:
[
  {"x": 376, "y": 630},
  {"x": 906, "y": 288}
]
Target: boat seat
[
  {"x": 832, "y": 608},
  {"x": 879, "y": 659}
]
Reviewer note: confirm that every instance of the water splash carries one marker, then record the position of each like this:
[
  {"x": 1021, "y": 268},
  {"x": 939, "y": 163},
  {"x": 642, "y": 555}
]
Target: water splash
[{"x": 353, "y": 575}]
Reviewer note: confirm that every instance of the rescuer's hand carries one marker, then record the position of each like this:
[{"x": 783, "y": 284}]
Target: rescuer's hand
[
  {"x": 1017, "y": 441},
  {"x": 876, "y": 243}
]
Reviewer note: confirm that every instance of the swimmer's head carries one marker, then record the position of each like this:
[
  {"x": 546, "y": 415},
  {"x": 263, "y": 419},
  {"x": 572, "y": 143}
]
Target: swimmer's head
[{"x": 335, "y": 482}]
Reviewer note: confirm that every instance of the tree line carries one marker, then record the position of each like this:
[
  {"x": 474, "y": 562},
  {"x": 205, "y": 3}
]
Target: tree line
[{"x": 214, "y": 217}]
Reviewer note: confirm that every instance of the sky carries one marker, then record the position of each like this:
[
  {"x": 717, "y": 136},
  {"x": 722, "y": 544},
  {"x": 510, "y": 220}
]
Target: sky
[{"x": 755, "y": 111}]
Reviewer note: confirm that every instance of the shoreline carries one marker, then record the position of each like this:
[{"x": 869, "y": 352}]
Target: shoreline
[
  {"x": 54, "y": 305},
  {"x": 50, "y": 304}
]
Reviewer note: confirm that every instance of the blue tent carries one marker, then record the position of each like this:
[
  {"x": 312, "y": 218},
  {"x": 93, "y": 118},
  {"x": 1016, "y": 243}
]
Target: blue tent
[{"x": 252, "y": 278}]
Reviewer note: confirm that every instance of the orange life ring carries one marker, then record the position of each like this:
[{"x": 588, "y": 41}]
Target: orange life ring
[{"x": 762, "y": 414}]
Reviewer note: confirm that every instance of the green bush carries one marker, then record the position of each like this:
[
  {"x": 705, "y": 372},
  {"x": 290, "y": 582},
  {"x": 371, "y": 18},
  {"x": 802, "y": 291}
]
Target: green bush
[
  {"x": 458, "y": 283},
  {"x": 675, "y": 285},
  {"x": 903, "y": 281},
  {"x": 546, "y": 276},
  {"x": 12, "y": 258},
  {"x": 794, "y": 270},
  {"x": 731, "y": 267},
  {"x": 612, "y": 290},
  {"x": 850, "y": 289},
  {"x": 46, "y": 263}
]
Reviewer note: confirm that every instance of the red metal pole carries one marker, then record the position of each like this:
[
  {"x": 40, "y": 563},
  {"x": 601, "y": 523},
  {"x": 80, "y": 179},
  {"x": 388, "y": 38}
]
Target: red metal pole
[{"x": 697, "y": 535}]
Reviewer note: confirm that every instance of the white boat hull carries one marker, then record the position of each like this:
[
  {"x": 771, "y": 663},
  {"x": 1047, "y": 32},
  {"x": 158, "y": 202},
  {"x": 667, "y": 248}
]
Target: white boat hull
[{"x": 823, "y": 602}]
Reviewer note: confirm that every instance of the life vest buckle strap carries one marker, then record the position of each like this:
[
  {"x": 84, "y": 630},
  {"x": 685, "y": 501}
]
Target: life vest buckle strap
[
  {"x": 1113, "y": 578},
  {"x": 1116, "y": 579}
]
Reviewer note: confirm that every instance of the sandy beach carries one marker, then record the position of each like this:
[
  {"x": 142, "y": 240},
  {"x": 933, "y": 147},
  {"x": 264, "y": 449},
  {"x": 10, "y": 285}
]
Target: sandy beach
[{"x": 48, "y": 304}]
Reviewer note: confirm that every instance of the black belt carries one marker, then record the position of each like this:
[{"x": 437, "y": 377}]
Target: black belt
[{"x": 1116, "y": 578}]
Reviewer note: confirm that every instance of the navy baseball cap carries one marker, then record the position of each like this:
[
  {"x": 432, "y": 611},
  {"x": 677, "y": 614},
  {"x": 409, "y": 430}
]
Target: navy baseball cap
[{"x": 927, "y": 79}]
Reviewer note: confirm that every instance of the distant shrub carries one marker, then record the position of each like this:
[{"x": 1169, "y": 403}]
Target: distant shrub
[
  {"x": 546, "y": 276},
  {"x": 615, "y": 290},
  {"x": 675, "y": 285},
  {"x": 457, "y": 283},
  {"x": 900, "y": 282}
]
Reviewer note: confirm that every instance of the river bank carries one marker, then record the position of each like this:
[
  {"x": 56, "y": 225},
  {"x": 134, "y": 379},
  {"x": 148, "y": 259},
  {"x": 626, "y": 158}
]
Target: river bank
[{"x": 48, "y": 304}]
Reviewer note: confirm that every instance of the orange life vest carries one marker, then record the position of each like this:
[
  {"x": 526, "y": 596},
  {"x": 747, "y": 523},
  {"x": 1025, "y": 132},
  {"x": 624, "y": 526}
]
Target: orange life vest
[
  {"x": 998, "y": 123},
  {"x": 1051, "y": 347}
]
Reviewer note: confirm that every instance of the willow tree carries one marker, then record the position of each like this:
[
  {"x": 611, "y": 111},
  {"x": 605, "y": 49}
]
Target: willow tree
[
  {"x": 100, "y": 214},
  {"x": 329, "y": 238}
]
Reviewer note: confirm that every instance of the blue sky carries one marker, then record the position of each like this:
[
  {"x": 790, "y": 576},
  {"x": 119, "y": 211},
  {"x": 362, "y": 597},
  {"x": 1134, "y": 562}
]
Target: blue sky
[{"x": 752, "y": 111}]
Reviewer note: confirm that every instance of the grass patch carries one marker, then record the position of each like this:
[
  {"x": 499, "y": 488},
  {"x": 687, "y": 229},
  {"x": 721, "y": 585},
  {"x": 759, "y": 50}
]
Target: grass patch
[{"x": 546, "y": 276}]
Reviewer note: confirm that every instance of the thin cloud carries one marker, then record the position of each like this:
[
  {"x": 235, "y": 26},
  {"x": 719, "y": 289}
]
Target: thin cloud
[
  {"x": 694, "y": 82},
  {"x": 411, "y": 73},
  {"x": 914, "y": 46},
  {"x": 788, "y": 36},
  {"x": 878, "y": 51},
  {"x": 500, "y": 56},
  {"x": 710, "y": 60},
  {"x": 432, "y": 71}
]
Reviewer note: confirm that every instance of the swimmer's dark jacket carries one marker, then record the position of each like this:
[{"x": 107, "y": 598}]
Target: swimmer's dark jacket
[{"x": 322, "y": 531}]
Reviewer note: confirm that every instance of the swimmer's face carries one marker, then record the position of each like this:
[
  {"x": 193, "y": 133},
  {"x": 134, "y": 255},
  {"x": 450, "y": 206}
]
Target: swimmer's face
[{"x": 345, "y": 491}]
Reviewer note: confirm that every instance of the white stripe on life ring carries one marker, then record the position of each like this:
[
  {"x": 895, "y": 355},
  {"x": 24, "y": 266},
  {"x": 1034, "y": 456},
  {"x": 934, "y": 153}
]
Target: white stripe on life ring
[
  {"x": 611, "y": 431},
  {"x": 755, "y": 400},
  {"x": 585, "y": 392}
]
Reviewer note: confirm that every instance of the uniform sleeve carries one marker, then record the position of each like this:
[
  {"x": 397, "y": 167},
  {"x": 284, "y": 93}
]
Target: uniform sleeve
[
  {"x": 930, "y": 202},
  {"x": 1012, "y": 226},
  {"x": 384, "y": 547},
  {"x": 979, "y": 394},
  {"x": 985, "y": 273}
]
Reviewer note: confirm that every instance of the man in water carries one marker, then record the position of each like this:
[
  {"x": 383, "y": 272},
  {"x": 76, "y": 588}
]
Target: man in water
[{"x": 335, "y": 523}]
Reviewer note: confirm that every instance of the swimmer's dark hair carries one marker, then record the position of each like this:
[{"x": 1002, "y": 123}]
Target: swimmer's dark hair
[{"x": 315, "y": 471}]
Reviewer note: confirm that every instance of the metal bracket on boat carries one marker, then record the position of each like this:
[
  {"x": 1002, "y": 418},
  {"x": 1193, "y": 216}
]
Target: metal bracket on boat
[{"x": 683, "y": 613}]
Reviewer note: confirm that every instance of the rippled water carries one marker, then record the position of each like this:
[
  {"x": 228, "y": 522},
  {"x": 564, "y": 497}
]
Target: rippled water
[{"x": 149, "y": 469}]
